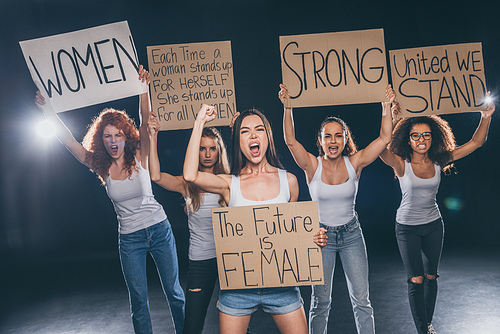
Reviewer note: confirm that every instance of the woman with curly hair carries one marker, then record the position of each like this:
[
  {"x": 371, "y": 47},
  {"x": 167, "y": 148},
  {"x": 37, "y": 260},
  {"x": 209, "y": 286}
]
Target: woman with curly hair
[
  {"x": 333, "y": 177},
  {"x": 420, "y": 149},
  {"x": 118, "y": 153},
  {"x": 202, "y": 270}
]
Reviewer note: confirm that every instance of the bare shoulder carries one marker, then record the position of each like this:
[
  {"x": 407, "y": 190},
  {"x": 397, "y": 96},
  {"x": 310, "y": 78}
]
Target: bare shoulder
[{"x": 291, "y": 177}]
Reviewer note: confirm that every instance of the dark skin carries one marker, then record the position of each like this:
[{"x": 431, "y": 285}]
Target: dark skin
[{"x": 423, "y": 167}]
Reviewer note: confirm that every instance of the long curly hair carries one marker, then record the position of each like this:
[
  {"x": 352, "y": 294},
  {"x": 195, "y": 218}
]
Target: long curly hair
[
  {"x": 97, "y": 157},
  {"x": 221, "y": 167},
  {"x": 350, "y": 146},
  {"x": 238, "y": 160},
  {"x": 443, "y": 140}
]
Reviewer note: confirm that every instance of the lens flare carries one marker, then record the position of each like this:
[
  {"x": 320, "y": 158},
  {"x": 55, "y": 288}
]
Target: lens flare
[
  {"x": 453, "y": 203},
  {"x": 488, "y": 99},
  {"x": 46, "y": 129}
]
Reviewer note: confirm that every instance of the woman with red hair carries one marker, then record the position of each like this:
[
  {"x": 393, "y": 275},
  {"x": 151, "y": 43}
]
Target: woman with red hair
[{"x": 118, "y": 152}]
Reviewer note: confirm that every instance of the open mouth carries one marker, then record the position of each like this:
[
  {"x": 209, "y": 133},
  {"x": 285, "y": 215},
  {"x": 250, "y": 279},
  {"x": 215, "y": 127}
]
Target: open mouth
[
  {"x": 333, "y": 149},
  {"x": 255, "y": 149},
  {"x": 114, "y": 149}
]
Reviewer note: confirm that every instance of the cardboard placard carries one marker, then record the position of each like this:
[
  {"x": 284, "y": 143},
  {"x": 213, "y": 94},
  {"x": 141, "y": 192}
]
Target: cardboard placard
[
  {"x": 334, "y": 68},
  {"x": 438, "y": 79},
  {"x": 185, "y": 76},
  {"x": 267, "y": 245},
  {"x": 84, "y": 67}
]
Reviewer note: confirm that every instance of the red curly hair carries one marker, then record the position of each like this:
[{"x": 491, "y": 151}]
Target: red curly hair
[{"x": 98, "y": 158}]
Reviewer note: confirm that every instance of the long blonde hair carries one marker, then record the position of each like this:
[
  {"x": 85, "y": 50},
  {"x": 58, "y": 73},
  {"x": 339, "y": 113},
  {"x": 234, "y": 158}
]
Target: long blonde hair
[{"x": 221, "y": 166}]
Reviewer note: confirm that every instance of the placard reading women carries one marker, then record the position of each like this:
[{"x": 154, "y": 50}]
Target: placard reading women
[
  {"x": 84, "y": 67},
  {"x": 185, "y": 76},
  {"x": 439, "y": 79},
  {"x": 267, "y": 245},
  {"x": 334, "y": 68}
]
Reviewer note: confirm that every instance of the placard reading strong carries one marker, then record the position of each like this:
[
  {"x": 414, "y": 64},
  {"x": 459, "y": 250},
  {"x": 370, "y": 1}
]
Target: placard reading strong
[
  {"x": 267, "y": 246},
  {"x": 184, "y": 76},
  {"x": 334, "y": 68}
]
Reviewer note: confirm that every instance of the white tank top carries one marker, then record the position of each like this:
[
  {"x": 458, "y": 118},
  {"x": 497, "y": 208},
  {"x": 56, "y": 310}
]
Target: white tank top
[
  {"x": 418, "y": 203},
  {"x": 335, "y": 202},
  {"x": 237, "y": 198},
  {"x": 134, "y": 202},
  {"x": 201, "y": 232}
]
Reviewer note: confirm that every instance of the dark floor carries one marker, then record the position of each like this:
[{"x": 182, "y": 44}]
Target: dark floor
[{"x": 91, "y": 298}]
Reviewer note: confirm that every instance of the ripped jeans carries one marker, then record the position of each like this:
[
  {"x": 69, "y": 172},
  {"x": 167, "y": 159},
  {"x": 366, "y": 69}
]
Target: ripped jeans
[
  {"x": 201, "y": 275},
  {"x": 420, "y": 248}
]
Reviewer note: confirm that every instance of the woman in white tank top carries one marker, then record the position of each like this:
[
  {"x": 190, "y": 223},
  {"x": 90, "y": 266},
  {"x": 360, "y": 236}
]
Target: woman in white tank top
[
  {"x": 118, "y": 152},
  {"x": 202, "y": 271},
  {"x": 421, "y": 147},
  {"x": 254, "y": 167},
  {"x": 333, "y": 182}
]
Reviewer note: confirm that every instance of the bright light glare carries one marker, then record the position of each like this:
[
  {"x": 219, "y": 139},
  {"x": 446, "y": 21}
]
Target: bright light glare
[
  {"x": 46, "y": 129},
  {"x": 488, "y": 99}
]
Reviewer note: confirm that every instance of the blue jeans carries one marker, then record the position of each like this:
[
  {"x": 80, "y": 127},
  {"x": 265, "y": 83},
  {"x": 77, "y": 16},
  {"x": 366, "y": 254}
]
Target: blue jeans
[
  {"x": 159, "y": 241},
  {"x": 347, "y": 241},
  {"x": 275, "y": 300}
]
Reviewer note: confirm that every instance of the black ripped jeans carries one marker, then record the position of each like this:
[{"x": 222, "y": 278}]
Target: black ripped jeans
[
  {"x": 201, "y": 275},
  {"x": 420, "y": 248}
]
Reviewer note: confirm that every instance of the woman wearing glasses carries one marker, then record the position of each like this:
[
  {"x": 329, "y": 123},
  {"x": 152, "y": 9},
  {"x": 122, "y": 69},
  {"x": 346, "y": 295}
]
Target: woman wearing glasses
[{"x": 420, "y": 148}]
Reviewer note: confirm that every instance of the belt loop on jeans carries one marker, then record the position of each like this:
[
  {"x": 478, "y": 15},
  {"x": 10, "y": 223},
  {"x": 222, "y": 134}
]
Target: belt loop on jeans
[
  {"x": 346, "y": 226},
  {"x": 352, "y": 222}
]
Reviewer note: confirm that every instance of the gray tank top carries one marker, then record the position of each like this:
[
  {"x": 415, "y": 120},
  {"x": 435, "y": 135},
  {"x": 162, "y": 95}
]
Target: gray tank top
[
  {"x": 134, "y": 202},
  {"x": 418, "y": 203},
  {"x": 201, "y": 232},
  {"x": 335, "y": 202}
]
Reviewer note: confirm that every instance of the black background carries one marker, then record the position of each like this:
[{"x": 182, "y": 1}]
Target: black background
[{"x": 54, "y": 209}]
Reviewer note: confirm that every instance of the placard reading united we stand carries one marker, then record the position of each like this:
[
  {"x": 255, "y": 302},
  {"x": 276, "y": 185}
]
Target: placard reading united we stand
[{"x": 439, "y": 79}]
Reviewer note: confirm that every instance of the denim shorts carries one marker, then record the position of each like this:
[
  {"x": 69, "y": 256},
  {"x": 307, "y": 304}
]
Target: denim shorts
[{"x": 241, "y": 302}]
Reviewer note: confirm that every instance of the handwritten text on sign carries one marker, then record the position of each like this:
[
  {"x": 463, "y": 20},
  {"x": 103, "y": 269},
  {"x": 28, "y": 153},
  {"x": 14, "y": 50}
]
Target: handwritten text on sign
[
  {"x": 267, "y": 246},
  {"x": 85, "y": 67},
  {"x": 439, "y": 80},
  {"x": 334, "y": 68},
  {"x": 184, "y": 76}
]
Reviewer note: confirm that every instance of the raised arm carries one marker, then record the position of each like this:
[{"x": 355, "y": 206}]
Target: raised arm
[
  {"x": 62, "y": 132},
  {"x": 304, "y": 159},
  {"x": 367, "y": 155},
  {"x": 479, "y": 136},
  {"x": 389, "y": 158},
  {"x": 218, "y": 184},
  {"x": 167, "y": 181},
  {"x": 394, "y": 161},
  {"x": 144, "y": 112}
]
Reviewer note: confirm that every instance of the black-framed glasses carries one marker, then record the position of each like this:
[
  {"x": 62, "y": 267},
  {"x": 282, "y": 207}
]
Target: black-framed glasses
[{"x": 416, "y": 135}]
